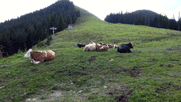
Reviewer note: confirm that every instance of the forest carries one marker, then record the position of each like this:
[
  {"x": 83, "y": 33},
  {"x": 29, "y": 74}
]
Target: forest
[
  {"x": 145, "y": 17},
  {"x": 27, "y": 30}
]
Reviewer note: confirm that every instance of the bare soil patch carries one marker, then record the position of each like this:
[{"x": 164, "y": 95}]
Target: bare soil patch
[
  {"x": 92, "y": 59},
  {"x": 132, "y": 72},
  {"x": 65, "y": 67},
  {"x": 169, "y": 65},
  {"x": 120, "y": 70},
  {"x": 34, "y": 70},
  {"x": 23, "y": 83},
  {"x": 77, "y": 73},
  {"x": 166, "y": 87},
  {"x": 151, "y": 60},
  {"x": 58, "y": 72},
  {"x": 161, "y": 89},
  {"x": 119, "y": 56},
  {"x": 48, "y": 62},
  {"x": 174, "y": 60},
  {"x": 124, "y": 94},
  {"x": 110, "y": 67},
  {"x": 135, "y": 72},
  {"x": 50, "y": 69},
  {"x": 176, "y": 48},
  {"x": 9, "y": 99},
  {"x": 122, "y": 98},
  {"x": 157, "y": 38}
]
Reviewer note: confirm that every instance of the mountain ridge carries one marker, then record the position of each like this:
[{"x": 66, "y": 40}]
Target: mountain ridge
[{"x": 145, "y": 12}]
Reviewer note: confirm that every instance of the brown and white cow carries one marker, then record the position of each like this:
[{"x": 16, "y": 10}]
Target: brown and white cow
[
  {"x": 95, "y": 47},
  {"x": 40, "y": 56},
  {"x": 102, "y": 47},
  {"x": 113, "y": 46},
  {"x": 90, "y": 47}
]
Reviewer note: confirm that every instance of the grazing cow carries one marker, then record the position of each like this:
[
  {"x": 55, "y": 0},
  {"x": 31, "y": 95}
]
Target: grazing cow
[
  {"x": 40, "y": 56},
  {"x": 113, "y": 46},
  {"x": 80, "y": 45},
  {"x": 125, "y": 48}
]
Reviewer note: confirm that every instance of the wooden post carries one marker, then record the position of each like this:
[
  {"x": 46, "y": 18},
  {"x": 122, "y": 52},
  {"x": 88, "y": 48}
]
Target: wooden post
[{"x": 53, "y": 28}]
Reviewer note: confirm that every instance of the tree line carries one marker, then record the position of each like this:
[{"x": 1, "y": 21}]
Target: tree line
[
  {"x": 145, "y": 17},
  {"x": 26, "y": 31}
]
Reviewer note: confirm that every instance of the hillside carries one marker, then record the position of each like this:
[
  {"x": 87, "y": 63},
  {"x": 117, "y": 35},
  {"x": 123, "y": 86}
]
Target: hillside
[{"x": 150, "y": 73}]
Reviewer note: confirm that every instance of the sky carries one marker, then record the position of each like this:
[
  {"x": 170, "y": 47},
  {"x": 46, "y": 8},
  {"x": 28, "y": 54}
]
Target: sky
[{"x": 11, "y": 9}]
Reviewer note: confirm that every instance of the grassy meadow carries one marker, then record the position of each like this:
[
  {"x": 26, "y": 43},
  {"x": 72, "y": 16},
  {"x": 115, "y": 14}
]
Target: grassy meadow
[{"x": 152, "y": 72}]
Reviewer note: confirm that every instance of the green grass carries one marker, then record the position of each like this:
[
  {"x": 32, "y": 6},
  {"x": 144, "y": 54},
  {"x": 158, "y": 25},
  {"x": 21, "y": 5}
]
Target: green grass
[{"x": 150, "y": 73}]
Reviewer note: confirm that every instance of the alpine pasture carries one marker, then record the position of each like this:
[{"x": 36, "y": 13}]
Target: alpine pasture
[{"x": 152, "y": 72}]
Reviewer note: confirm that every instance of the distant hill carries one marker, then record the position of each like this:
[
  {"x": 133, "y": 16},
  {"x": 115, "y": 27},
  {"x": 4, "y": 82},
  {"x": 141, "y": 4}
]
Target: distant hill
[
  {"x": 144, "y": 17},
  {"x": 145, "y": 13}
]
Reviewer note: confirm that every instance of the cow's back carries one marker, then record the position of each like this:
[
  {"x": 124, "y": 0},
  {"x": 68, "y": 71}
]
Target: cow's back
[
  {"x": 37, "y": 56},
  {"x": 50, "y": 55},
  {"x": 123, "y": 48},
  {"x": 90, "y": 47},
  {"x": 98, "y": 47}
]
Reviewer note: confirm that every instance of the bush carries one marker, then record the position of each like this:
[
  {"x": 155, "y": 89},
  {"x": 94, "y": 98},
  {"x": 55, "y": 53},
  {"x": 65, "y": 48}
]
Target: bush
[
  {"x": 41, "y": 44},
  {"x": 49, "y": 39}
]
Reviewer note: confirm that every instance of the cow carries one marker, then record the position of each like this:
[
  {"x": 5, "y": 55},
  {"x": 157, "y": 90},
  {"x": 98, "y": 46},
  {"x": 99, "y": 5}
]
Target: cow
[
  {"x": 92, "y": 42},
  {"x": 113, "y": 46},
  {"x": 100, "y": 47},
  {"x": 101, "y": 43},
  {"x": 90, "y": 47},
  {"x": 96, "y": 47},
  {"x": 39, "y": 56},
  {"x": 80, "y": 45},
  {"x": 125, "y": 48}
]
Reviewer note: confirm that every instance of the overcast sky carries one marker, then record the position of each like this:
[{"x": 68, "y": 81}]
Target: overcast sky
[{"x": 101, "y": 8}]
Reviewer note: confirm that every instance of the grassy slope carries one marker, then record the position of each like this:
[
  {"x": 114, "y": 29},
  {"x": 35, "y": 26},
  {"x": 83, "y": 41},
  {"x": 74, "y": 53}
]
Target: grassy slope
[{"x": 150, "y": 73}]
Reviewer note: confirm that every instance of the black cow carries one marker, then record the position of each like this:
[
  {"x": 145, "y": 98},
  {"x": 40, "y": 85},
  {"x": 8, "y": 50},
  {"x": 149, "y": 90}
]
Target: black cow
[
  {"x": 80, "y": 45},
  {"x": 125, "y": 48}
]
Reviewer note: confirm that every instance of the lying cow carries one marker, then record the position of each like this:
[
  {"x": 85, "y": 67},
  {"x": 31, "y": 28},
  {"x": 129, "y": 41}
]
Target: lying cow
[
  {"x": 80, "y": 45},
  {"x": 90, "y": 47},
  {"x": 92, "y": 42},
  {"x": 109, "y": 45},
  {"x": 102, "y": 43},
  {"x": 125, "y": 48},
  {"x": 39, "y": 56},
  {"x": 100, "y": 47},
  {"x": 95, "y": 47},
  {"x": 113, "y": 46}
]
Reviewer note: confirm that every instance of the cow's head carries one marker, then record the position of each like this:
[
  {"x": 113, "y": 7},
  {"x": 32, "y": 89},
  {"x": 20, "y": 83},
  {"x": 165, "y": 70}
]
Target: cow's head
[
  {"x": 92, "y": 42},
  {"x": 130, "y": 45},
  {"x": 27, "y": 55}
]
